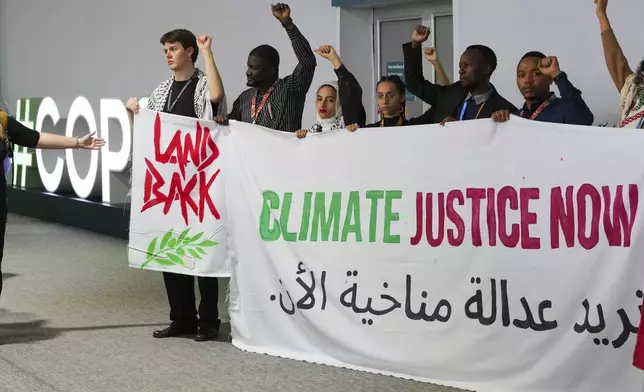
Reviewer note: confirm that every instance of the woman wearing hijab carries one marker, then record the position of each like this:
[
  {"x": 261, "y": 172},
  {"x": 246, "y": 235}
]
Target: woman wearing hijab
[
  {"x": 338, "y": 104},
  {"x": 328, "y": 111},
  {"x": 11, "y": 131}
]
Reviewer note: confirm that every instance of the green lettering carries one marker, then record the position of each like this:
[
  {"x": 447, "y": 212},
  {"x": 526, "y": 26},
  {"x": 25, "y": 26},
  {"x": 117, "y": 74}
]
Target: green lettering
[
  {"x": 306, "y": 216},
  {"x": 286, "y": 211},
  {"x": 321, "y": 221},
  {"x": 353, "y": 212},
  {"x": 271, "y": 202},
  {"x": 374, "y": 196},
  {"x": 390, "y": 216}
]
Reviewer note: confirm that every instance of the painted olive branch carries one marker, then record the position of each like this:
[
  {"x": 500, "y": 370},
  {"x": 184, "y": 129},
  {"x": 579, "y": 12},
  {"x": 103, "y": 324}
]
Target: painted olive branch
[{"x": 171, "y": 249}]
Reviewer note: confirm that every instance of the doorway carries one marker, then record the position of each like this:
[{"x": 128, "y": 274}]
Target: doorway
[{"x": 393, "y": 27}]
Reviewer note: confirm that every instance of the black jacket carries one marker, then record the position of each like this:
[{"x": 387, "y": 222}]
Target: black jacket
[
  {"x": 445, "y": 100},
  {"x": 350, "y": 97}
]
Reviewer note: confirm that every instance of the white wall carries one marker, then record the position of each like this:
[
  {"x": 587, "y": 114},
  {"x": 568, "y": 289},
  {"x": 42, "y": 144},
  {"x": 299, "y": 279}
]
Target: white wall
[
  {"x": 100, "y": 49},
  {"x": 567, "y": 29},
  {"x": 357, "y": 52}
]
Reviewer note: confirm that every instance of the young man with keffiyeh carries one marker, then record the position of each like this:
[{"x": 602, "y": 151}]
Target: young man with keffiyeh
[{"x": 189, "y": 92}]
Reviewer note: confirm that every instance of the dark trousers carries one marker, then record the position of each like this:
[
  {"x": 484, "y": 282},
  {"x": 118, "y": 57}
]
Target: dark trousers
[
  {"x": 3, "y": 228},
  {"x": 181, "y": 295}
]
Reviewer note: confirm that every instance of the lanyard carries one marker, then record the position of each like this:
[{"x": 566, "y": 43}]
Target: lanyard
[
  {"x": 540, "y": 108},
  {"x": 465, "y": 108},
  {"x": 254, "y": 111},
  {"x": 169, "y": 109},
  {"x": 398, "y": 123}
]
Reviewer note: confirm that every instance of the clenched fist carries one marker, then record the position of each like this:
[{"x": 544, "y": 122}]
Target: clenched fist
[
  {"x": 419, "y": 35},
  {"x": 431, "y": 55},
  {"x": 282, "y": 12},
  {"x": 204, "y": 42},
  {"x": 549, "y": 66}
]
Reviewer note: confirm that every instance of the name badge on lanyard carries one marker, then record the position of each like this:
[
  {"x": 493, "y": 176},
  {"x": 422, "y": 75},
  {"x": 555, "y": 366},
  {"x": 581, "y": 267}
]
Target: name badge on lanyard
[{"x": 254, "y": 110}]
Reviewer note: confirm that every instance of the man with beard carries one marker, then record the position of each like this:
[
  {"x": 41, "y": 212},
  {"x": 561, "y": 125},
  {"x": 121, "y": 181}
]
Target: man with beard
[
  {"x": 270, "y": 101},
  {"x": 472, "y": 97}
]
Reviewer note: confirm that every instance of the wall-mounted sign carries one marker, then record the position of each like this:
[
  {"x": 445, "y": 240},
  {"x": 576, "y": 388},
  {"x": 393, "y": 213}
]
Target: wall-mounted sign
[
  {"x": 111, "y": 161},
  {"x": 398, "y": 68}
]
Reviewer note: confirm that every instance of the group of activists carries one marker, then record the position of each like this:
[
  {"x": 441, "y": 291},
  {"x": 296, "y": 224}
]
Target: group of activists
[{"x": 278, "y": 103}]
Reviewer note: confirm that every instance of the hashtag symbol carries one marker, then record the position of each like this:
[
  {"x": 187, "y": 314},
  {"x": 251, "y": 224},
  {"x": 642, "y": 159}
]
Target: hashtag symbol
[{"x": 22, "y": 158}]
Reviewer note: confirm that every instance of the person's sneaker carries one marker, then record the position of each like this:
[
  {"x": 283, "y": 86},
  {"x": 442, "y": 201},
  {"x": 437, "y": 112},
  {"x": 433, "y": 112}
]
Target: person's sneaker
[
  {"x": 207, "y": 333},
  {"x": 174, "y": 330}
]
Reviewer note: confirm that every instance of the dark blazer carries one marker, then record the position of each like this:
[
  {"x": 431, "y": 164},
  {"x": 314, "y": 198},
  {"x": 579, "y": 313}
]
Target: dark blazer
[
  {"x": 445, "y": 100},
  {"x": 350, "y": 97}
]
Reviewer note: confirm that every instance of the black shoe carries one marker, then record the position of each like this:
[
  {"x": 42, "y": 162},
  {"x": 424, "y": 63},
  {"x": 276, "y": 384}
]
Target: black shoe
[
  {"x": 207, "y": 333},
  {"x": 175, "y": 330}
]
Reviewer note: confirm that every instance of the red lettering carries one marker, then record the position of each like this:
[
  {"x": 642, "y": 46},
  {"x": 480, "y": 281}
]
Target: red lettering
[
  {"x": 528, "y": 218},
  {"x": 562, "y": 216},
  {"x": 476, "y": 194},
  {"x": 428, "y": 216},
  {"x": 590, "y": 241},
  {"x": 204, "y": 195},
  {"x": 455, "y": 239},
  {"x": 620, "y": 219},
  {"x": 415, "y": 240},
  {"x": 506, "y": 194},
  {"x": 152, "y": 188},
  {"x": 200, "y": 150},
  {"x": 491, "y": 217}
]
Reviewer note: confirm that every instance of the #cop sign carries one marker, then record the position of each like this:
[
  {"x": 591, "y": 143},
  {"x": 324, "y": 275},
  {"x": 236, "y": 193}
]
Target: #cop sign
[{"x": 33, "y": 112}]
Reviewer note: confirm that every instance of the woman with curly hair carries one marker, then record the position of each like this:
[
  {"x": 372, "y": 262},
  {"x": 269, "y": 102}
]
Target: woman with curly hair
[{"x": 630, "y": 84}]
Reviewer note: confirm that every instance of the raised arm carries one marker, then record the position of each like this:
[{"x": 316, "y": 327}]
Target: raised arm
[
  {"x": 431, "y": 55},
  {"x": 416, "y": 82},
  {"x": 350, "y": 90},
  {"x": 215, "y": 85},
  {"x": 615, "y": 60},
  {"x": 578, "y": 113},
  {"x": 300, "y": 80}
]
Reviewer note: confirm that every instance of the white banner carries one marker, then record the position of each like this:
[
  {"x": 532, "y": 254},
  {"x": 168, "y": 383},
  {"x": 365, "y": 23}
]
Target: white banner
[
  {"x": 481, "y": 256},
  {"x": 178, "y": 213}
]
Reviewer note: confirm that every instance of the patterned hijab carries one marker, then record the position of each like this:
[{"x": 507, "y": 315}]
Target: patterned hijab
[{"x": 334, "y": 122}]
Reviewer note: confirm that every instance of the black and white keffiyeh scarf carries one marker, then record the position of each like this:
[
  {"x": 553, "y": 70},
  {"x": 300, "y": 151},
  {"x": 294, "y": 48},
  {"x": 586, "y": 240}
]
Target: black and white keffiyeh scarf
[
  {"x": 159, "y": 97},
  {"x": 335, "y": 122}
]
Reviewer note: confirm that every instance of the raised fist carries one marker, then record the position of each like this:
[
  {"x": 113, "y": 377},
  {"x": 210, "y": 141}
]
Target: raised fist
[
  {"x": 431, "y": 55},
  {"x": 327, "y": 51},
  {"x": 420, "y": 34},
  {"x": 204, "y": 42},
  {"x": 282, "y": 12},
  {"x": 549, "y": 66}
]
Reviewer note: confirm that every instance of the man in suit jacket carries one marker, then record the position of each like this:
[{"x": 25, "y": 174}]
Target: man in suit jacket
[{"x": 472, "y": 97}]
